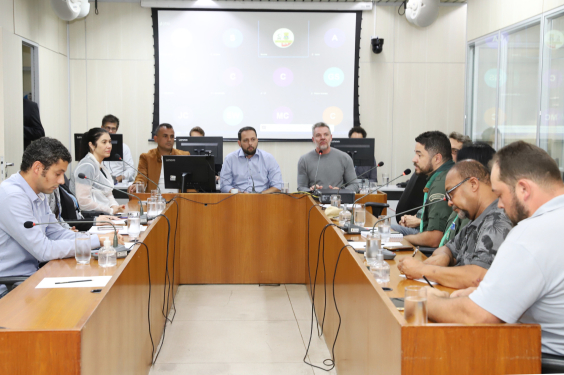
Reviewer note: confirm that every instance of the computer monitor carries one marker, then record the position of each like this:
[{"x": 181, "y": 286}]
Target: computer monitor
[
  {"x": 189, "y": 172},
  {"x": 117, "y": 146},
  {"x": 211, "y": 146},
  {"x": 361, "y": 150}
]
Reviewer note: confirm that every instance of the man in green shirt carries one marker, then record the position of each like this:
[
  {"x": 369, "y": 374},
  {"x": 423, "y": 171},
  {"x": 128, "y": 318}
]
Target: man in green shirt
[{"x": 433, "y": 158}]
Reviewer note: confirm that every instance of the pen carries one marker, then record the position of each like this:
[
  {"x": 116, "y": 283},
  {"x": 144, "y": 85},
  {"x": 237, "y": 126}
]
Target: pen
[
  {"x": 75, "y": 281},
  {"x": 415, "y": 252},
  {"x": 428, "y": 282}
]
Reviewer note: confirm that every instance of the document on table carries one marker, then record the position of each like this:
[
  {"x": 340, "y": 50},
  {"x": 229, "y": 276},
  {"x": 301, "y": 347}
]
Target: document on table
[
  {"x": 97, "y": 282},
  {"x": 358, "y": 244},
  {"x": 420, "y": 280},
  {"x": 109, "y": 229}
]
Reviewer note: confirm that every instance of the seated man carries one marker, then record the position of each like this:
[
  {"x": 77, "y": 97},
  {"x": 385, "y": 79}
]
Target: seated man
[
  {"x": 325, "y": 166},
  {"x": 365, "y": 172},
  {"x": 432, "y": 158},
  {"x": 464, "y": 260},
  {"x": 151, "y": 163},
  {"x": 457, "y": 141},
  {"x": 196, "y": 131},
  {"x": 525, "y": 283},
  {"x": 120, "y": 171},
  {"x": 249, "y": 169},
  {"x": 22, "y": 198}
]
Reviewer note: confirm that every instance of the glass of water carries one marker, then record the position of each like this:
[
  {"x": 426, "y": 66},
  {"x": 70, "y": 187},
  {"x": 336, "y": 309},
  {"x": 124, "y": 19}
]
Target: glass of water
[
  {"x": 82, "y": 247},
  {"x": 373, "y": 247},
  {"x": 286, "y": 187},
  {"x": 154, "y": 193},
  {"x": 139, "y": 187},
  {"x": 364, "y": 185},
  {"x": 344, "y": 217},
  {"x": 373, "y": 187},
  {"x": 336, "y": 200},
  {"x": 415, "y": 305},
  {"x": 161, "y": 205},
  {"x": 359, "y": 212},
  {"x": 134, "y": 225},
  {"x": 384, "y": 228},
  {"x": 151, "y": 208},
  {"x": 385, "y": 178}
]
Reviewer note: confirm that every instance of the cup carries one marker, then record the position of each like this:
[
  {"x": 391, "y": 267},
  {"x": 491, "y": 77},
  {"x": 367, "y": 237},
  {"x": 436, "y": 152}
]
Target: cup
[
  {"x": 373, "y": 187},
  {"x": 134, "y": 221},
  {"x": 139, "y": 187},
  {"x": 359, "y": 213},
  {"x": 385, "y": 178},
  {"x": 373, "y": 247},
  {"x": 286, "y": 188},
  {"x": 384, "y": 228},
  {"x": 161, "y": 204},
  {"x": 82, "y": 247},
  {"x": 154, "y": 193},
  {"x": 336, "y": 200},
  {"x": 344, "y": 217},
  {"x": 363, "y": 186},
  {"x": 415, "y": 305},
  {"x": 151, "y": 208}
]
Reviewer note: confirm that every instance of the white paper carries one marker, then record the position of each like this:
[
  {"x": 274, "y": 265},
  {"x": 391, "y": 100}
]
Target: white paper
[
  {"x": 103, "y": 230},
  {"x": 97, "y": 282},
  {"x": 358, "y": 245},
  {"x": 129, "y": 245},
  {"x": 118, "y": 222},
  {"x": 420, "y": 280},
  {"x": 123, "y": 231}
]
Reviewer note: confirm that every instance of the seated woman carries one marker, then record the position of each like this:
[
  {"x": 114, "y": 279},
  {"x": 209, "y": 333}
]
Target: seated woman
[{"x": 96, "y": 146}]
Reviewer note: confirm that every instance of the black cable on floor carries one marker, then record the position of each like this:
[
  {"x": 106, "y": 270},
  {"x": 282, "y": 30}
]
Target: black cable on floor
[
  {"x": 174, "y": 253},
  {"x": 149, "y": 302},
  {"x": 308, "y": 267},
  {"x": 167, "y": 275}
]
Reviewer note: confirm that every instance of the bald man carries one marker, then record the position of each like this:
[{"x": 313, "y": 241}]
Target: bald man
[{"x": 463, "y": 261}]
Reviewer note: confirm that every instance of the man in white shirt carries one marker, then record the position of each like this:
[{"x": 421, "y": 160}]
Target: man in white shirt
[
  {"x": 120, "y": 170},
  {"x": 525, "y": 283}
]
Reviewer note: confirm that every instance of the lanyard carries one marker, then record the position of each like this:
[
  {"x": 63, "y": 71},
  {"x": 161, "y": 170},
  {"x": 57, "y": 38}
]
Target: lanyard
[
  {"x": 429, "y": 183},
  {"x": 446, "y": 237}
]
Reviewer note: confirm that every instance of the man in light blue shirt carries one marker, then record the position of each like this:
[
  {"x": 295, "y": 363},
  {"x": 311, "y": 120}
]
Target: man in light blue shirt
[
  {"x": 22, "y": 198},
  {"x": 248, "y": 169}
]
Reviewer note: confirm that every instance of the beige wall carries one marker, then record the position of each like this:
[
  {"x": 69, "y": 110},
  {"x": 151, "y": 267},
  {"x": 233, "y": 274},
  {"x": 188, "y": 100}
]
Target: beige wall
[
  {"x": 416, "y": 84},
  {"x": 486, "y": 16},
  {"x": 34, "y": 21}
]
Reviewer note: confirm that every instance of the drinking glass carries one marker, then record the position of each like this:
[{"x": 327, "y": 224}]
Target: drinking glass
[
  {"x": 134, "y": 225},
  {"x": 336, "y": 200},
  {"x": 344, "y": 217},
  {"x": 373, "y": 187},
  {"x": 415, "y": 305},
  {"x": 161, "y": 204},
  {"x": 359, "y": 214},
  {"x": 139, "y": 187},
  {"x": 385, "y": 178},
  {"x": 286, "y": 188},
  {"x": 373, "y": 247},
  {"x": 82, "y": 247},
  {"x": 151, "y": 208},
  {"x": 364, "y": 184},
  {"x": 384, "y": 228},
  {"x": 154, "y": 193}
]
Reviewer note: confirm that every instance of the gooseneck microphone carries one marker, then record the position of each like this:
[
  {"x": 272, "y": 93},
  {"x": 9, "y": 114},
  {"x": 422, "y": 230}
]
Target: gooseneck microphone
[
  {"x": 316, "y": 170},
  {"x": 116, "y": 245},
  {"x": 83, "y": 176},
  {"x": 407, "y": 172},
  {"x": 142, "y": 174},
  {"x": 401, "y": 213},
  {"x": 251, "y": 174},
  {"x": 380, "y": 164}
]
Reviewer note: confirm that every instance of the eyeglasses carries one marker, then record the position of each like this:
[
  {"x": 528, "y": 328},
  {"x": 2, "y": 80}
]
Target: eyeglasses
[{"x": 449, "y": 192}]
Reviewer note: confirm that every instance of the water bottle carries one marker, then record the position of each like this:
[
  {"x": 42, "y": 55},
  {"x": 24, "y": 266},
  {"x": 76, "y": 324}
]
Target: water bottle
[{"x": 107, "y": 256}]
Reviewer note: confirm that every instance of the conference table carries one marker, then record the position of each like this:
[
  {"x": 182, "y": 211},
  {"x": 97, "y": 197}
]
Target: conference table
[{"x": 243, "y": 238}]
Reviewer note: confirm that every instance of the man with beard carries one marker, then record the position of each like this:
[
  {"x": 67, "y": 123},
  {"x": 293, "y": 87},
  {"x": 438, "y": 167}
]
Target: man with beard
[
  {"x": 249, "y": 169},
  {"x": 464, "y": 260},
  {"x": 525, "y": 283},
  {"x": 433, "y": 158},
  {"x": 325, "y": 167}
]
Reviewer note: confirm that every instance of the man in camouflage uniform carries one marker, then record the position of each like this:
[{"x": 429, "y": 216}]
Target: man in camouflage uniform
[
  {"x": 465, "y": 259},
  {"x": 433, "y": 158}
]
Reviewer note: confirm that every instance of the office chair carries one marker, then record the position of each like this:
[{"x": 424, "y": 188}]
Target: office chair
[
  {"x": 11, "y": 281},
  {"x": 552, "y": 364},
  {"x": 376, "y": 208}
]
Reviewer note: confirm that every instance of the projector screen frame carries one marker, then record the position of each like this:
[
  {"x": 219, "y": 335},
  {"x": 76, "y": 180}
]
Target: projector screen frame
[{"x": 156, "y": 108}]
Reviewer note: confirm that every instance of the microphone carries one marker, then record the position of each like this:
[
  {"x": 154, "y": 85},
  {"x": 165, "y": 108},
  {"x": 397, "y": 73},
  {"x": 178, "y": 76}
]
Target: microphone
[
  {"x": 362, "y": 174},
  {"x": 83, "y": 176},
  {"x": 355, "y": 228},
  {"x": 316, "y": 170},
  {"x": 401, "y": 213},
  {"x": 157, "y": 185},
  {"x": 31, "y": 224}
]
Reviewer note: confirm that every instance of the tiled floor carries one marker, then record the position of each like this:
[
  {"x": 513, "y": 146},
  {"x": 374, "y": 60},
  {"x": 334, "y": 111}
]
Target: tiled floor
[{"x": 241, "y": 330}]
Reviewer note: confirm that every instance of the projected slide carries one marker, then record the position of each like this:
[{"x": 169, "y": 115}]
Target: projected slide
[{"x": 279, "y": 72}]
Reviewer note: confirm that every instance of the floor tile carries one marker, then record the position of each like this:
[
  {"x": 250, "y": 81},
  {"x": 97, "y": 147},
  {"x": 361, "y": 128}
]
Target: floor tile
[
  {"x": 232, "y": 369},
  {"x": 232, "y": 342},
  {"x": 301, "y": 304},
  {"x": 200, "y": 287},
  {"x": 295, "y": 287},
  {"x": 318, "y": 350},
  {"x": 260, "y": 304}
]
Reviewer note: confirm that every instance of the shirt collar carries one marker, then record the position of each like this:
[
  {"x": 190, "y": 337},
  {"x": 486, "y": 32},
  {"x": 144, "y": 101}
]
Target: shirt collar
[
  {"x": 241, "y": 154},
  {"x": 443, "y": 167},
  {"x": 553, "y": 204},
  {"x": 27, "y": 189},
  {"x": 485, "y": 213}
]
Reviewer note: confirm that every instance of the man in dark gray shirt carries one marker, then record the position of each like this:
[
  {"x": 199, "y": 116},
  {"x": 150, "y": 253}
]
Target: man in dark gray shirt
[
  {"x": 472, "y": 251},
  {"x": 325, "y": 167}
]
